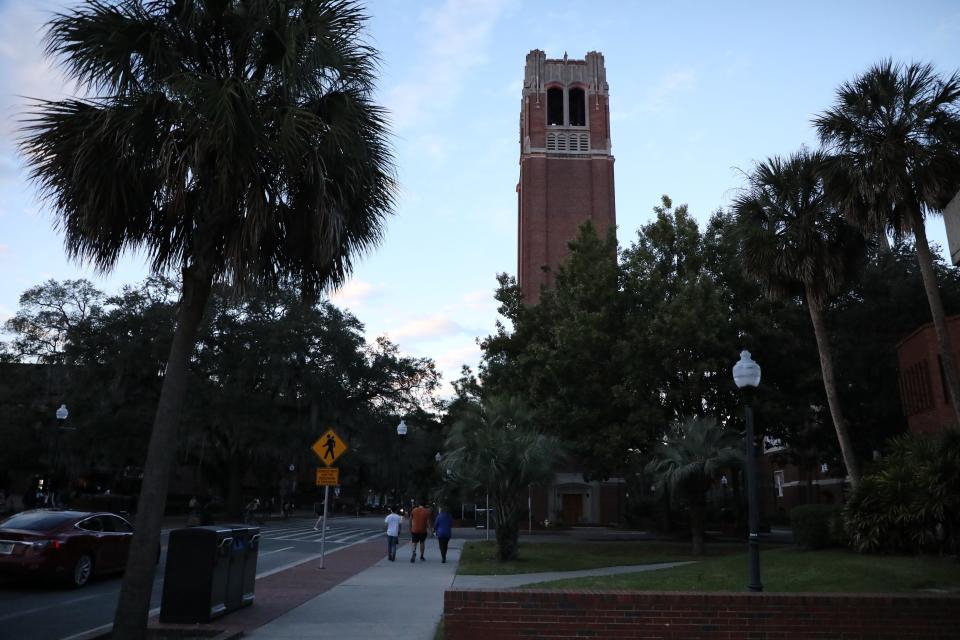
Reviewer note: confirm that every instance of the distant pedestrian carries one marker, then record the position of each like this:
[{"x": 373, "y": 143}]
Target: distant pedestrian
[
  {"x": 250, "y": 511},
  {"x": 443, "y": 529},
  {"x": 419, "y": 522},
  {"x": 393, "y": 522},
  {"x": 193, "y": 515}
]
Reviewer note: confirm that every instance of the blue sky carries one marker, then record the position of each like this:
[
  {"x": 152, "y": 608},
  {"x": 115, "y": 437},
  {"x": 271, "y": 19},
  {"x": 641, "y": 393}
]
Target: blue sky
[{"x": 698, "y": 90}]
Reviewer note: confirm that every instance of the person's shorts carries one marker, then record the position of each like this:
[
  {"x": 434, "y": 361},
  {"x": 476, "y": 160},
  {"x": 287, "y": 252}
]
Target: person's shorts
[{"x": 418, "y": 537}]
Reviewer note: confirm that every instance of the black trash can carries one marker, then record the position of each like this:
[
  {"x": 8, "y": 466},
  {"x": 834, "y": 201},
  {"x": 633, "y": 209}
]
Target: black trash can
[
  {"x": 243, "y": 567},
  {"x": 197, "y": 577}
]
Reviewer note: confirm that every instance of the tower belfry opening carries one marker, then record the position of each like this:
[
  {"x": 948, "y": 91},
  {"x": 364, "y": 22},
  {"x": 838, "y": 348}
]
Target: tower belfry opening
[{"x": 566, "y": 164}]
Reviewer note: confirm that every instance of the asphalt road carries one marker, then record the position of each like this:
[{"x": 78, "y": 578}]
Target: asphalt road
[{"x": 49, "y": 612}]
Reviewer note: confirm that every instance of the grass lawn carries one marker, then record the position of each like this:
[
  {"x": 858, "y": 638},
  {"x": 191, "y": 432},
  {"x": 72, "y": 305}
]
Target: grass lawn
[
  {"x": 788, "y": 570},
  {"x": 480, "y": 558}
]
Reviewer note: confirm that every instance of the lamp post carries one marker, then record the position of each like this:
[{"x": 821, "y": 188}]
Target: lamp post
[
  {"x": 286, "y": 497},
  {"x": 746, "y": 375},
  {"x": 402, "y": 432},
  {"x": 62, "y": 414}
]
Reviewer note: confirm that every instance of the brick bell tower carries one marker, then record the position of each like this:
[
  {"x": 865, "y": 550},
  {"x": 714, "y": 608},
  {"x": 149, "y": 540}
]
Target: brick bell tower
[{"x": 566, "y": 165}]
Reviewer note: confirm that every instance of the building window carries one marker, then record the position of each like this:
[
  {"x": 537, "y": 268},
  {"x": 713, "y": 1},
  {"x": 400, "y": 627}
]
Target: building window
[
  {"x": 555, "y": 106},
  {"x": 916, "y": 390},
  {"x": 778, "y": 482},
  {"x": 578, "y": 108}
]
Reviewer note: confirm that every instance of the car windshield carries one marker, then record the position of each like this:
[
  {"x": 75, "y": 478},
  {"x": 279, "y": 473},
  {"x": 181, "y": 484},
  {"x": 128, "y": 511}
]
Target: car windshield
[{"x": 41, "y": 521}]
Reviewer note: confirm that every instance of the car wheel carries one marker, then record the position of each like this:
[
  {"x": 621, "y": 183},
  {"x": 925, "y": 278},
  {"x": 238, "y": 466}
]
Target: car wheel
[{"x": 82, "y": 571}]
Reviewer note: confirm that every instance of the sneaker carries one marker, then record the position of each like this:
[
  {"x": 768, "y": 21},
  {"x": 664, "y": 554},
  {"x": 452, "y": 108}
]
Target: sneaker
[
  {"x": 413, "y": 559},
  {"x": 444, "y": 561},
  {"x": 422, "y": 558}
]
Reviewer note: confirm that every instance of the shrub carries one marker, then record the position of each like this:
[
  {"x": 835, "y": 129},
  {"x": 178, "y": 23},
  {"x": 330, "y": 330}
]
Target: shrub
[
  {"x": 911, "y": 501},
  {"x": 814, "y": 525}
]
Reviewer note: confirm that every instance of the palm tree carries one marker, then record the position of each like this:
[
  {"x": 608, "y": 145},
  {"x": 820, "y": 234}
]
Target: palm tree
[
  {"x": 230, "y": 141},
  {"x": 796, "y": 243},
  {"x": 895, "y": 131},
  {"x": 690, "y": 460},
  {"x": 493, "y": 447}
]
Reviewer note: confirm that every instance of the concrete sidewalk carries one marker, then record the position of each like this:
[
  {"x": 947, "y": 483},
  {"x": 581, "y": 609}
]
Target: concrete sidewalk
[
  {"x": 387, "y": 600},
  {"x": 402, "y": 599}
]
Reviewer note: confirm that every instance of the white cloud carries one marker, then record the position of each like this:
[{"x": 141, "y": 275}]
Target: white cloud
[
  {"x": 659, "y": 96},
  {"x": 436, "y": 326},
  {"x": 355, "y": 293},
  {"x": 28, "y": 73},
  {"x": 456, "y": 37},
  {"x": 479, "y": 300},
  {"x": 451, "y": 361}
]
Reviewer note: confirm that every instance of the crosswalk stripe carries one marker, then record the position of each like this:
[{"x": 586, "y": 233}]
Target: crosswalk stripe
[{"x": 334, "y": 534}]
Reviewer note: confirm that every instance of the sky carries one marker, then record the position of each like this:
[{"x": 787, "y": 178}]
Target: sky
[{"x": 699, "y": 92}]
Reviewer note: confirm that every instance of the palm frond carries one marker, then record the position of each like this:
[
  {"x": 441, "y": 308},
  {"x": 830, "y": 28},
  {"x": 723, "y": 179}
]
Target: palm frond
[{"x": 239, "y": 135}]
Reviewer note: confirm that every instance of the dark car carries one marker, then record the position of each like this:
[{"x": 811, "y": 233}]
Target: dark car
[{"x": 71, "y": 546}]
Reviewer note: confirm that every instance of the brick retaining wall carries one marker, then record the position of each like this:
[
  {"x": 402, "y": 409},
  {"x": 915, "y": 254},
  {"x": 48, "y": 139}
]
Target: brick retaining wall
[{"x": 487, "y": 614}]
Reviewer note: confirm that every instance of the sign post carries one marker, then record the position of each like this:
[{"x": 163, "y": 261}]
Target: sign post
[{"x": 328, "y": 448}]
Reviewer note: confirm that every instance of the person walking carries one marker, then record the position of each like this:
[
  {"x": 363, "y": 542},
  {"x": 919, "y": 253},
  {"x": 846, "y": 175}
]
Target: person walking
[
  {"x": 419, "y": 522},
  {"x": 443, "y": 529},
  {"x": 393, "y": 522}
]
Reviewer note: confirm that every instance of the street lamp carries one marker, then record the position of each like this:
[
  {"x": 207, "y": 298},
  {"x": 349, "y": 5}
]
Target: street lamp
[
  {"x": 401, "y": 431},
  {"x": 62, "y": 415},
  {"x": 746, "y": 375}
]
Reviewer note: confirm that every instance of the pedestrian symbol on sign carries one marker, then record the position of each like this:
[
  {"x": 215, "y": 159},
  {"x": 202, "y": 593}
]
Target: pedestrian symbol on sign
[{"x": 329, "y": 447}]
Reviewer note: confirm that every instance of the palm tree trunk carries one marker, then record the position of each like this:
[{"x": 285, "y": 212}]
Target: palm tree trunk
[
  {"x": 130, "y": 619},
  {"x": 508, "y": 528},
  {"x": 925, "y": 259},
  {"x": 830, "y": 387},
  {"x": 696, "y": 526}
]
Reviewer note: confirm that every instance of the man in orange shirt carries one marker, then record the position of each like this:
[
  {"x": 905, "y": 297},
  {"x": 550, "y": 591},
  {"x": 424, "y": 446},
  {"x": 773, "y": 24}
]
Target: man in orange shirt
[{"x": 419, "y": 521}]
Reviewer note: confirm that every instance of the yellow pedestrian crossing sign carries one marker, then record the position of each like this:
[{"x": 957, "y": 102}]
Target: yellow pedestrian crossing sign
[{"x": 329, "y": 447}]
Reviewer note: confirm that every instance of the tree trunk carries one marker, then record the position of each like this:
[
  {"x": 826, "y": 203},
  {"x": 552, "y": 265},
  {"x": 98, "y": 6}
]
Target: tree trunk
[
  {"x": 133, "y": 606},
  {"x": 508, "y": 545},
  {"x": 696, "y": 527},
  {"x": 925, "y": 259},
  {"x": 508, "y": 529},
  {"x": 830, "y": 387}
]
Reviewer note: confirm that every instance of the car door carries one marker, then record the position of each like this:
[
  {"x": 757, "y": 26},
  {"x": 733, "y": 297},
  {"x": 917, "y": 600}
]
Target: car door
[
  {"x": 93, "y": 542},
  {"x": 120, "y": 533}
]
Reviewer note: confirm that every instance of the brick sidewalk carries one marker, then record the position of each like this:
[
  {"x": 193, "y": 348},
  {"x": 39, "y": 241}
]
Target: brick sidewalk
[{"x": 284, "y": 591}]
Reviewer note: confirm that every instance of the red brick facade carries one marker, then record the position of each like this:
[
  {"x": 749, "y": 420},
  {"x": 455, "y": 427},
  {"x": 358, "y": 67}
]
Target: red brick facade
[
  {"x": 923, "y": 395},
  {"x": 566, "y": 167},
  {"x": 508, "y": 615}
]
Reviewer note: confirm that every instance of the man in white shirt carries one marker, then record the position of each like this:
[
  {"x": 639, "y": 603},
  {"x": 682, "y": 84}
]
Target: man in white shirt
[{"x": 393, "y": 533}]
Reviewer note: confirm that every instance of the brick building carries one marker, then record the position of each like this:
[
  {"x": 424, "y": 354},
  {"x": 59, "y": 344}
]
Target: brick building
[
  {"x": 566, "y": 164},
  {"x": 923, "y": 393}
]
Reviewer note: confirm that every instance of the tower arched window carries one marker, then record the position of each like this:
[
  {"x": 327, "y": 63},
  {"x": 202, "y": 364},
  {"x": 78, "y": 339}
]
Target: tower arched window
[
  {"x": 555, "y": 106},
  {"x": 578, "y": 107}
]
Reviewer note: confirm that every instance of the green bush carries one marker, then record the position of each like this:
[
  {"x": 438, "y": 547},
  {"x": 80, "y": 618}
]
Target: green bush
[
  {"x": 911, "y": 501},
  {"x": 815, "y": 525}
]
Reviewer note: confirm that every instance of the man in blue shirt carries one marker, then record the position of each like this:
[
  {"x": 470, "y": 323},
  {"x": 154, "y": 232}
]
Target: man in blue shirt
[{"x": 443, "y": 529}]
